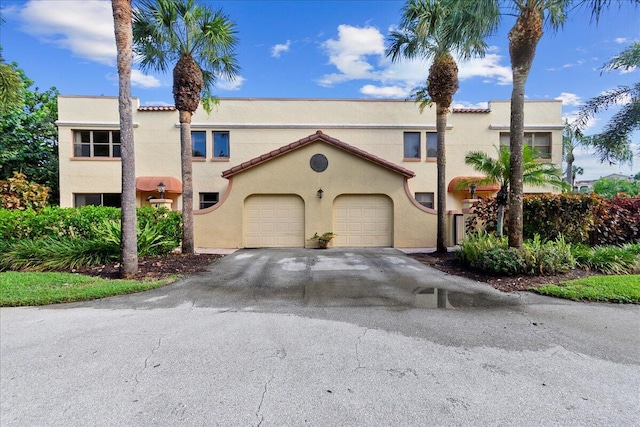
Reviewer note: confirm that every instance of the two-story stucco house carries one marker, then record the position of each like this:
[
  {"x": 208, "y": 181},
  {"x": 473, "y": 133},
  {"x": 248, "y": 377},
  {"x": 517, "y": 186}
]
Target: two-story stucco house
[{"x": 272, "y": 172}]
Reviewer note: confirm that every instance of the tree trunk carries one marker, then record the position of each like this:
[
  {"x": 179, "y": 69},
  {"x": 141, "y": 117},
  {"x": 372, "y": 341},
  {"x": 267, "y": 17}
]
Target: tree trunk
[
  {"x": 523, "y": 39},
  {"x": 187, "y": 183},
  {"x": 441, "y": 127},
  {"x": 570, "y": 176},
  {"x": 124, "y": 43}
]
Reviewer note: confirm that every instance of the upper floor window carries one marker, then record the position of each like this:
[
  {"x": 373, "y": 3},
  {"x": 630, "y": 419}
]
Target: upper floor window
[
  {"x": 208, "y": 199},
  {"x": 412, "y": 145},
  {"x": 221, "y": 144},
  {"x": 425, "y": 199},
  {"x": 96, "y": 143},
  {"x": 432, "y": 144},
  {"x": 199, "y": 144},
  {"x": 541, "y": 141}
]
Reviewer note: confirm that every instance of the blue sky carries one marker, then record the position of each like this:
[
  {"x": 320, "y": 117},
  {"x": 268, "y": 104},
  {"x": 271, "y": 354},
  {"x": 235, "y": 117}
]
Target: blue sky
[{"x": 323, "y": 49}]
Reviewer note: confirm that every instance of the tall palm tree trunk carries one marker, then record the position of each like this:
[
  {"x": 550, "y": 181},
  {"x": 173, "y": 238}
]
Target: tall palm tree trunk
[
  {"x": 441, "y": 126},
  {"x": 124, "y": 43},
  {"x": 187, "y": 183},
  {"x": 523, "y": 39},
  {"x": 570, "y": 174}
]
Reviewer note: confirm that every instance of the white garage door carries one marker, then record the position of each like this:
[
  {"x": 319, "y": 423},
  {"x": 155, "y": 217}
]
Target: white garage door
[
  {"x": 363, "y": 220},
  {"x": 274, "y": 222}
]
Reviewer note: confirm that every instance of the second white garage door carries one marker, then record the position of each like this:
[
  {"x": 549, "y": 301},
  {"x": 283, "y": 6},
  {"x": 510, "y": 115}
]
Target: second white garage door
[
  {"x": 363, "y": 220},
  {"x": 274, "y": 222}
]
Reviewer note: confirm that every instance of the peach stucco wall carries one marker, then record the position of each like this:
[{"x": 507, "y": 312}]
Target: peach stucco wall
[{"x": 258, "y": 126}]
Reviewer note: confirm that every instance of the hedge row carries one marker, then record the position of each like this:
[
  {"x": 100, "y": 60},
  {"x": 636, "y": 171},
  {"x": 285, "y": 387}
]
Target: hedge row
[
  {"x": 579, "y": 218},
  {"x": 56, "y": 222}
]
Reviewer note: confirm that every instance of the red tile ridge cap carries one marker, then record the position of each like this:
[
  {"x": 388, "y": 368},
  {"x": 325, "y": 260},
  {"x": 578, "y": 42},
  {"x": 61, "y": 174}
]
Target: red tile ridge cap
[{"x": 318, "y": 136}]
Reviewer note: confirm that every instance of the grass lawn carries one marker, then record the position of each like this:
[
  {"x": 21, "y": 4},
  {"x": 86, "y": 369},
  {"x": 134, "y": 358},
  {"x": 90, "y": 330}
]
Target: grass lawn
[
  {"x": 597, "y": 288},
  {"x": 19, "y": 289}
]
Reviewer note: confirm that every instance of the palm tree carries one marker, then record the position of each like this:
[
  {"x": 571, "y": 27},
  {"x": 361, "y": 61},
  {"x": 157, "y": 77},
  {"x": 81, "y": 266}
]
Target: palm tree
[
  {"x": 498, "y": 171},
  {"x": 523, "y": 41},
  {"x": 571, "y": 139},
  {"x": 199, "y": 43},
  {"x": 11, "y": 88},
  {"x": 434, "y": 29},
  {"x": 124, "y": 46},
  {"x": 612, "y": 144}
]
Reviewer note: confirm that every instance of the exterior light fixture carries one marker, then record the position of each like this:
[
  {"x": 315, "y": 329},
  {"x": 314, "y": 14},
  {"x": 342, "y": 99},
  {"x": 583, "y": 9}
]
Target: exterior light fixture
[
  {"x": 320, "y": 193},
  {"x": 161, "y": 188},
  {"x": 472, "y": 189}
]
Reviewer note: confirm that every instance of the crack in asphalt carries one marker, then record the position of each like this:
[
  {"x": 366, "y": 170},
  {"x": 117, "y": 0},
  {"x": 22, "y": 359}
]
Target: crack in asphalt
[
  {"x": 358, "y": 349},
  {"x": 146, "y": 360},
  {"x": 259, "y": 416}
]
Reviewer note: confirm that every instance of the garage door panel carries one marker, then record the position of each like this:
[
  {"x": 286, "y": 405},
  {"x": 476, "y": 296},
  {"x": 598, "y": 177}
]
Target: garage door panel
[
  {"x": 274, "y": 221},
  {"x": 363, "y": 220}
]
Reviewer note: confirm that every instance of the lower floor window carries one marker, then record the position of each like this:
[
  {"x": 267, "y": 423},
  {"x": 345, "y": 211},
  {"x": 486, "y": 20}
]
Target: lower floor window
[
  {"x": 100, "y": 199},
  {"x": 208, "y": 199},
  {"x": 425, "y": 199}
]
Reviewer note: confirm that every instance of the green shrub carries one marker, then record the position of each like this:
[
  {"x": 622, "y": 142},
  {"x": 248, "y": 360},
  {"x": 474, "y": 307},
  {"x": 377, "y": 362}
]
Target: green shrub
[
  {"x": 80, "y": 222},
  {"x": 551, "y": 257},
  {"x": 150, "y": 240},
  {"x": 56, "y": 254},
  {"x": 492, "y": 254},
  {"x": 608, "y": 259}
]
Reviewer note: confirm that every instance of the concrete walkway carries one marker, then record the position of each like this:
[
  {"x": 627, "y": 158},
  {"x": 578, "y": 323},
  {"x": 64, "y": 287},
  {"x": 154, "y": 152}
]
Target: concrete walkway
[{"x": 338, "y": 337}]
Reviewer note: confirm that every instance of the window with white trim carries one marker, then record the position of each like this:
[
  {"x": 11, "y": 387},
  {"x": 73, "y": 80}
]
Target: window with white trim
[
  {"x": 425, "y": 199},
  {"x": 208, "y": 199},
  {"x": 97, "y": 199},
  {"x": 412, "y": 145},
  {"x": 96, "y": 143},
  {"x": 221, "y": 144},
  {"x": 541, "y": 141}
]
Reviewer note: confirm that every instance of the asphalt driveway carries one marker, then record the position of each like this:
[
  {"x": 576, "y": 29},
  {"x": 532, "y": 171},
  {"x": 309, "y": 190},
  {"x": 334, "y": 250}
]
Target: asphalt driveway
[{"x": 307, "y": 337}]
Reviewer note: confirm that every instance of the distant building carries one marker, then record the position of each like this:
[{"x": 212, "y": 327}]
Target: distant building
[
  {"x": 586, "y": 186},
  {"x": 272, "y": 172}
]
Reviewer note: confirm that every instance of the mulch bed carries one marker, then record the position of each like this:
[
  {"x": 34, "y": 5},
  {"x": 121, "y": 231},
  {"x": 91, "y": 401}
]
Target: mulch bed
[
  {"x": 162, "y": 266},
  {"x": 155, "y": 267},
  {"x": 449, "y": 263}
]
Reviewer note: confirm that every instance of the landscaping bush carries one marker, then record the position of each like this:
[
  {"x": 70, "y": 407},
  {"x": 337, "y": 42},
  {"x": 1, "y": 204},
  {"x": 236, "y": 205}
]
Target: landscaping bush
[
  {"x": 488, "y": 253},
  {"x": 80, "y": 222},
  {"x": 608, "y": 259},
  {"x": 579, "y": 218},
  {"x": 18, "y": 193},
  {"x": 56, "y": 254}
]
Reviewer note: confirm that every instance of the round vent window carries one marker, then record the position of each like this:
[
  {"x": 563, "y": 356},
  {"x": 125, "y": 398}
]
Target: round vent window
[{"x": 319, "y": 162}]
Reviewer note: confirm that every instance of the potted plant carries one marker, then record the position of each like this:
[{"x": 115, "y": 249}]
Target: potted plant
[{"x": 324, "y": 239}]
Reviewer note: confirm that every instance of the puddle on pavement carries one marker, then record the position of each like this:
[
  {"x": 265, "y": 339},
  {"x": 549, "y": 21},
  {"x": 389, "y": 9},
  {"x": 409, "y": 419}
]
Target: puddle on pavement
[{"x": 395, "y": 295}]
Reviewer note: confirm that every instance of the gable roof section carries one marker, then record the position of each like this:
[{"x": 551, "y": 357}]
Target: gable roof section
[{"x": 318, "y": 136}]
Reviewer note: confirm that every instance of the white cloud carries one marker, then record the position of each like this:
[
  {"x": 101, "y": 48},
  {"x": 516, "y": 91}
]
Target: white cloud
[
  {"x": 278, "y": 49},
  {"x": 158, "y": 104},
  {"x": 350, "y": 54},
  {"x": 488, "y": 67},
  {"x": 359, "y": 54},
  {"x": 138, "y": 78},
  {"x": 231, "y": 85},
  {"x": 628, "y": 70},
  {"x": 464, "y": 104},
  {"x": 621, "y": 40},
  {"x": 385, "y": 91},
  {"x": 570, "y": 99},
  {"x": 85, "y": 28}
]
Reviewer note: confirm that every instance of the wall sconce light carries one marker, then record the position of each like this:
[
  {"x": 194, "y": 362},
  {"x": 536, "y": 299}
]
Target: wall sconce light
[
  {"x": 472, "y": 189},
  {"x": 320, "y": 193},
  {"x": 161, "y": 188}
]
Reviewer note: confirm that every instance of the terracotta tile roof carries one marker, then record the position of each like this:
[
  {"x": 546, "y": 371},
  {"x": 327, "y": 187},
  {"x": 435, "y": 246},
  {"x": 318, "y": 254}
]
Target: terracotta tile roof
[
  {"x": 318, "y": 136},
  {"x": 471, "y": 110},
  {"x": 157, "y": 108}
]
